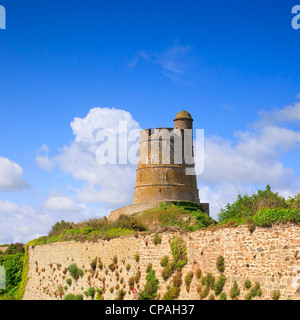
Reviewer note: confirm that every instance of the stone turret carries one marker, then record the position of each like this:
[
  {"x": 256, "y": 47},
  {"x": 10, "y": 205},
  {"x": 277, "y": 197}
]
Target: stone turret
[
  {"x": 166, "y": 169},
  {"x": 161, "y": 173}
]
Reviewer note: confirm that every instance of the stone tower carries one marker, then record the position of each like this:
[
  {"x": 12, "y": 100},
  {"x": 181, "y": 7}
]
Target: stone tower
[
  {"x": 166, "y": 169},
  {"x": 161, "y": 173}
]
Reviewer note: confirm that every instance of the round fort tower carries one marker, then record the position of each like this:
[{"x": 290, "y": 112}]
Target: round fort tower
[{"x": 166, "y": 163}]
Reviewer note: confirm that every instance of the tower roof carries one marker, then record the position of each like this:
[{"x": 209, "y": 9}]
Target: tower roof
[{"x": 183, "y": 115}]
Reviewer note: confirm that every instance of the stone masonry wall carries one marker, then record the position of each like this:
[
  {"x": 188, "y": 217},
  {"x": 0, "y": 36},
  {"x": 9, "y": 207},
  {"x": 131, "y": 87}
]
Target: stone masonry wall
[{"x": 270, "y": 256}]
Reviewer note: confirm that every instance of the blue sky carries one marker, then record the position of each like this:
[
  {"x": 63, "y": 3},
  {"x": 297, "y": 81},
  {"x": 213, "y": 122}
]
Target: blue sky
[{"x": 234, "y": 65}]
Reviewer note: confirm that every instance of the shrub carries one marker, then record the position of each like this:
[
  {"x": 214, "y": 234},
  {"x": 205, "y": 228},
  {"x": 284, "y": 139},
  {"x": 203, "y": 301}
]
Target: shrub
[
  {"x": 256, "y": 291},
  {"x": 208, "y": 281},
  {"x": 223, "y": 296},
  {"x": 151, "y": 287},
  {"x": 70, "y": 297},
  {"x": 149, "y": 267},
  {"x": 59, "y": 227},
  {"x": 168, "y": 271},
  {"x": 198, "y": 273},
  {"x": 204, "y": 293},
  {"x": 211, "y": 297},
  {"x": 244, "y": 208},
  {"x": 188, "y": 280},
  {"x": 137, "y": 277},
  {"x": 248, "y": 296},
  {"x": 267, "y": 217},
  {"x": 90, "y": 292},
  {"x": 275, "y": 295},
  {"x": 179, "y": 252},
  {"x": 128, "y": 267},
  {"x": 177, "y": 281},
  {"x": 69, "y": 281},
  {"x": 164, "y": 261},
  {"x": 137, "y": 257},
  {"x": 100, "y": 264},
  {"x": 100, "y": 294},
  {"x": 157, "y": 239},
  {"x": 219, "y": 285},
  {"x": 112, "y": 267},
  {"x": 247, "y": 284},
  {"x": 171, "y": 294},
  {"x": 131, "y": 283},
  {"x": 121, "y": 295},
  {"x": 220, "y": 264},
  {"x": 78, "y": 297},
  {"x": 115, "y": 259},
  {"x": 251, "y": 228},
  {"x": 94, "y": 264},
  {"x": 235, "y": 291},
  {"x": 75, "y": 271}
]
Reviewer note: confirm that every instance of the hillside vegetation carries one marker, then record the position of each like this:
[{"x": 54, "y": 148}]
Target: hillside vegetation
[{"x": 263, "y": 209}]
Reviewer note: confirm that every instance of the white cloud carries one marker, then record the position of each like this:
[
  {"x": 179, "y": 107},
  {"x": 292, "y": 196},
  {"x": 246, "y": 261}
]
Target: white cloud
[
  {"x": 61, "y": 203},
  {"x": 290, "y": 113},
  {"x": 21, "y": 223},
  {"x": 11, "y": 176},
  {"x": 106, "y": 184},
  {"x": 45, "y": 163}
]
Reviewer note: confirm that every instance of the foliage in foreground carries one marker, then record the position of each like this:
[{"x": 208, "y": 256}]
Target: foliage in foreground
[{"x": 13, "y": 261}]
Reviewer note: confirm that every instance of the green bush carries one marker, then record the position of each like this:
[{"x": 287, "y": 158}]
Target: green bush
[
  {"x": 75, "y": 271},
  {"x": 131, "y": 283},
  {"x": 70, "y": 297},
  {"x": 219, "y": 285},
  {"x": 137, "y": 257},
  {"x": 244, "y": 208},
  {"x": 188, "y": 280},
  {"x": 235, "y": 291},
  {"x": 198, "y": 273},
  {"x": 137, "y": 277},
  {"x": 179, "y": 252},
  {"x": 168, "y": 270},
  {"x": 157, "y": 239},
  {"x": 223, "y": 296},
  {"x": 69, "y": 281},
  {"x": 173, "y": 291},
  {"x": 90, "y": 292},
  {"x": 275, "y": 295},
  {"x": 220, "y": 264},
  {"x": 164, "y": 261},
  {"x": 208, "y": 281},
  {"x": 78, "y": 297},
  {"x": 151, "y": 287},
  {"x": 247, "y": 284},
  {"x": 267, "y": 217},
  {"x": 204, "y": 293}
]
